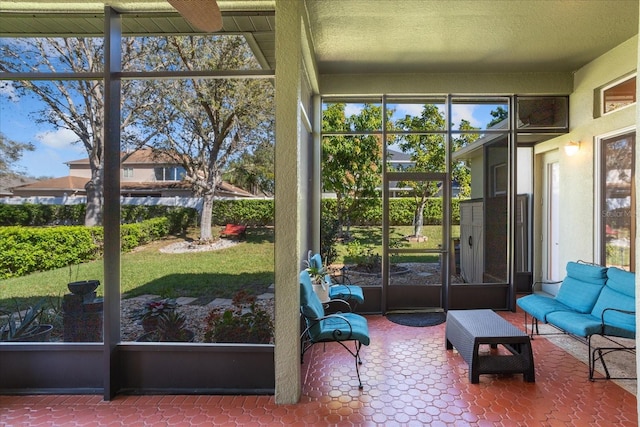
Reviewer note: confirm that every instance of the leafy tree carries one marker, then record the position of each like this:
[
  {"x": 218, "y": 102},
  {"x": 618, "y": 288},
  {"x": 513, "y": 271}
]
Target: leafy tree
[
  {"x": 10, "y": 152},
  {"x": 206, "y": 123},
  {"x": 499, "y": 114},
  {"x": 351, "y": 164},
  {"x": 254, "y": 171},
  {"x": 428, "y": 154},
  {"x": 76, "y": 105}
]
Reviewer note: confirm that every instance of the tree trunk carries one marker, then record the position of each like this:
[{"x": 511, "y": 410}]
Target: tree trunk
[
  {"x": 419, "y": 219},
  {"x": 205, "y": 218},
  {"x": 93, "y": 209}
]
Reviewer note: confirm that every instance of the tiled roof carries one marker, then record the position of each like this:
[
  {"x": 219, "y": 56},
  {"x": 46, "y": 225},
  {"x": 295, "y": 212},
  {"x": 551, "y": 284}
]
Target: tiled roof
[
  {"x": 145, "y": 155},
  {"x": 76, "y": 184},
  {"x": 71, "y": 183}
]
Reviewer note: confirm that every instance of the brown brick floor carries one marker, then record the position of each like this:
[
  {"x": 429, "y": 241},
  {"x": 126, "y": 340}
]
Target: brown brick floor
[{"x": 409, "y": 379}]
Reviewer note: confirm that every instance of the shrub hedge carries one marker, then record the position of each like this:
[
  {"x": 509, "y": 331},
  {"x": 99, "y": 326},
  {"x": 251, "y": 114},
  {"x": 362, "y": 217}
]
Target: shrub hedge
[
  {"x": 24, "y": 250},
  {"x": 255, "y": 212}
]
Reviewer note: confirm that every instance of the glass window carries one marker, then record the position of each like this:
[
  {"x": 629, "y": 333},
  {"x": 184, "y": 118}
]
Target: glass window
[
  {"x": 541, "y": 113},
  {"x": 619, "y": 94},
  {"x": 127, "y": 172},
  {"x": 618, "y": 201}
]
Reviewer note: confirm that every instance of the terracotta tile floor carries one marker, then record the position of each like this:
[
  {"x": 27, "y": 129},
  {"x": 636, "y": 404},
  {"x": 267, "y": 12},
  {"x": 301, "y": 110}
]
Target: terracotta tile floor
[{"x": 409, "y": 379}]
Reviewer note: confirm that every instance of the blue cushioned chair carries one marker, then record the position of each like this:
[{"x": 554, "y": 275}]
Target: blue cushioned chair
[
  {"x": 337, "y": 327},
  {"x": 351, "y": 293}
]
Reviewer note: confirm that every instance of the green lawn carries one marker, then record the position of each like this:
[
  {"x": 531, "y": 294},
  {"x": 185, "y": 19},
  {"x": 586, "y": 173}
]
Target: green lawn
[
  {"x": 204, "y": 275},
  {"x": 371, "y": 237}
]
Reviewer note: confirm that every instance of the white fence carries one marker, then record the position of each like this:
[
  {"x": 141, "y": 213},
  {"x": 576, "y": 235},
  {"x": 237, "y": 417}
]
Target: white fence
[{"x": 185, "y": 202}]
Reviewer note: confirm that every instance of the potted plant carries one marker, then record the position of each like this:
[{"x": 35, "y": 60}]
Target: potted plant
[
  {"x": 171, "y": 328},
  {"x": 317, "y": 272},
  {"x": 25, "y": 325},
  {"x": 151, "y": 312},
  {"x": 244, "y": 323}
]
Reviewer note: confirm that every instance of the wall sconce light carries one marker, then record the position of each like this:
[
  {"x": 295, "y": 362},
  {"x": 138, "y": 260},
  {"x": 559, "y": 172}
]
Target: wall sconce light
[{"x": 572, "y": 148}]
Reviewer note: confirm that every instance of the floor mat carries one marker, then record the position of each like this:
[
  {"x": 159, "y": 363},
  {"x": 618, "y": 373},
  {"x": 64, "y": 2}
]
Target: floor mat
[{"x": 418, "y": 319}]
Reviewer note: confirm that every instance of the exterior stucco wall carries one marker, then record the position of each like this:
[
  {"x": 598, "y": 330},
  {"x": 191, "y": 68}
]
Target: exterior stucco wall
[{"x": 577, "y": 181}]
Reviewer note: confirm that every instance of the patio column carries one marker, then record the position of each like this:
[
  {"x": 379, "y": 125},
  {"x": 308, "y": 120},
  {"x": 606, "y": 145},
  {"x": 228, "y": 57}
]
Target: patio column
[
  {"x": 111, "y": 215},
  {"x": 288, "y": 197}
]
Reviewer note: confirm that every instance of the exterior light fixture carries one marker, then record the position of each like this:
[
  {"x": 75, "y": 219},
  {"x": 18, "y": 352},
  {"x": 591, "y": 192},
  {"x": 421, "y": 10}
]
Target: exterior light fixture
[{"x": 572, "y": 148}]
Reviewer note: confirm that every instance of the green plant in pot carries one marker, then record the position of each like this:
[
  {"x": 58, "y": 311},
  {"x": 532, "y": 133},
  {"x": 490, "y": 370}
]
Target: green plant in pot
[
  {"x": 151, "y": 312},
  {"x": 246, "y": 322},
  {"x": 25, "y": 325},
  {"x": 317, "y": 273}
]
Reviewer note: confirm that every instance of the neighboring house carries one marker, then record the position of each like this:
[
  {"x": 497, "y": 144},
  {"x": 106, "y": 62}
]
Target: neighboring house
[
  {"x": 9, "y": 181},
  {"x": 143, "y": 174}
]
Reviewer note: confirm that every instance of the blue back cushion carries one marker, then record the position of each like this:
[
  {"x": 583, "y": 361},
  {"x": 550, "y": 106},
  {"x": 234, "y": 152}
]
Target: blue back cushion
[
  {"x": 582, "y": 286},
  {"x": 309, "y": 301},
  {"x": 620, "y": 293}
]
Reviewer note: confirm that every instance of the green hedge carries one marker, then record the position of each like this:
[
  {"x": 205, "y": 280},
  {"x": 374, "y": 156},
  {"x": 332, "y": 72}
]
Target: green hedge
[
  {"x": 24, "y": 250},
  {"x": 401, "y": 211},
  {"x": 256, "y": 212}
]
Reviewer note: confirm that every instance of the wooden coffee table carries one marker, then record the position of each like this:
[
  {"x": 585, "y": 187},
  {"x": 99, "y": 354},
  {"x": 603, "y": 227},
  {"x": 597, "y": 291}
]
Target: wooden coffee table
[{"x": 467, "y": 329}]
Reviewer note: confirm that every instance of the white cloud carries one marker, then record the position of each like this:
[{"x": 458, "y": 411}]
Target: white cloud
[
  {"x": 351, "y": 109},
  {"x": 59, "y": 139},
  {"x": 465, "y": 112}
]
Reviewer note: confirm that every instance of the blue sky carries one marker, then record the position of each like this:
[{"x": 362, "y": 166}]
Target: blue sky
[{"x": 54, "y": 147}]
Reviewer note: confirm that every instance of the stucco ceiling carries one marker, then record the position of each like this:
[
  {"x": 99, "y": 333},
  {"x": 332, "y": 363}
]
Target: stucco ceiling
[
  {"x": 407, "y": 36},
  {"x": 363, "y": 36}
]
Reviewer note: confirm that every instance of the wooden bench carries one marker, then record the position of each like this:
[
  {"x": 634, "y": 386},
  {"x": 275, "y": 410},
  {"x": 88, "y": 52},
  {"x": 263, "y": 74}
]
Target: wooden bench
[
  {"x": 467, "y": 329},
  {"x": 234, "y": 231}
]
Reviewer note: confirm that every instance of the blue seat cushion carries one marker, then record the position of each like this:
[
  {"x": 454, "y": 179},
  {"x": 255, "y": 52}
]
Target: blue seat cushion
[
  {"x": 579, "y": 324},
  {"x": 347, "y": 293},
  {"x": 582, "y": 286},
  {"x": 341, "y": 327},
  {"x": 539, "y": 306}
]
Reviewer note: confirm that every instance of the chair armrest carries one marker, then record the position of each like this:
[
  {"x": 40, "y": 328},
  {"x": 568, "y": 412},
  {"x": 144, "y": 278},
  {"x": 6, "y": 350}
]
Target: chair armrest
[
  {"x": 337, "y": 333},
  {"x": 547, "y": 282},
  {"x": 617, "y": 310},
  {"x": 336, "y": 306}
]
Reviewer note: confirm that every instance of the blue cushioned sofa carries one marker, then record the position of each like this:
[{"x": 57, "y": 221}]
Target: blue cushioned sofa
[{"x": 592, "y": 300}]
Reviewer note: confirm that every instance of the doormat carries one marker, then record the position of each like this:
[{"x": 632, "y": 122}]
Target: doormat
[{"x": 418, "y": 319}]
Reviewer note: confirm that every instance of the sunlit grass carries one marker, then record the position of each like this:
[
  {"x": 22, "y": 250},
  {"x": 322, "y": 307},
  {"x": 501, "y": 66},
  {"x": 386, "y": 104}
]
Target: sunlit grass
[
  {"x": 206, "y": 275},
  {"x": 371, "y": 237}
]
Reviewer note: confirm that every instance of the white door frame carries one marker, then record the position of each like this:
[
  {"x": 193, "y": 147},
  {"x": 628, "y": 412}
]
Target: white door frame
[{"x": 551, "y": 269}]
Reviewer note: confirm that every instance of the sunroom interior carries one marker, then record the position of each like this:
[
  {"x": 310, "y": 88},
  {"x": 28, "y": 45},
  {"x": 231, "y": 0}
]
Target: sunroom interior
[{"x": 546, "y": 62}]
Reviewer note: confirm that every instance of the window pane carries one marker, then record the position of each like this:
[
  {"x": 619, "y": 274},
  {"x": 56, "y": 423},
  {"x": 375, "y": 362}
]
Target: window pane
[
  {"x": 619, "y": 95},
  {"x": 479, "y": 114},
  {"x": 188, "y": 53},
  {"x": 618, "y": 203},
  {"x": 46, "y": 182},
  {"x": 543, "y": 112},
  {"x": 417, "y": 115},
  {"x": 52, "y": 54},
  {"x": 351, "y": 117}
]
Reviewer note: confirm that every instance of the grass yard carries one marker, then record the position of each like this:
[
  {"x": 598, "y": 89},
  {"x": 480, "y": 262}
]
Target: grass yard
[
  {"x": 205, "y": 275},
  {"x": 371, "y": 237}
]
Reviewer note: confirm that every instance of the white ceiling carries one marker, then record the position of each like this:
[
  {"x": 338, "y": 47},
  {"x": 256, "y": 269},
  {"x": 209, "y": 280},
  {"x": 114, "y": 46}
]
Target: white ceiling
[{"x": 406, "y": 36}]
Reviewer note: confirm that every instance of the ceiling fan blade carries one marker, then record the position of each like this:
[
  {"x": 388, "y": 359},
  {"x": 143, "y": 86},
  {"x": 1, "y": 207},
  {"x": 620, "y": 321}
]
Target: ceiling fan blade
[{"x": 205, "y": 15}]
